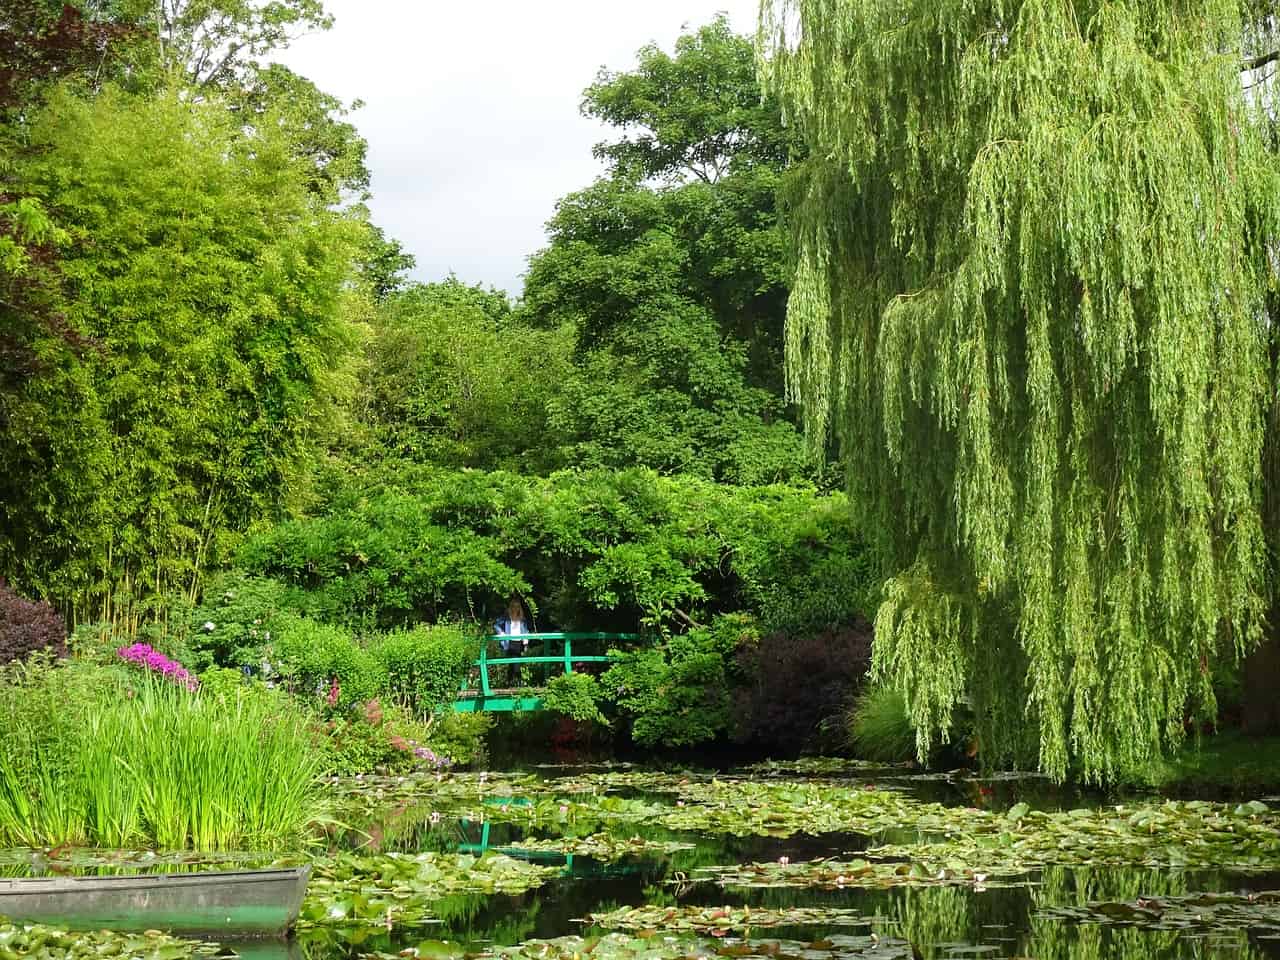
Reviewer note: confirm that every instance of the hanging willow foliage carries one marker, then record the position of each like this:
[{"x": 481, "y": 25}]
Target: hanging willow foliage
[{"x": 1032, "y": 265}]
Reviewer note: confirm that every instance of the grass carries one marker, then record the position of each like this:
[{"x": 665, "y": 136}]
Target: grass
[
  {"x": 879, "y": 729},
  {"x": 127, "y": 760}
]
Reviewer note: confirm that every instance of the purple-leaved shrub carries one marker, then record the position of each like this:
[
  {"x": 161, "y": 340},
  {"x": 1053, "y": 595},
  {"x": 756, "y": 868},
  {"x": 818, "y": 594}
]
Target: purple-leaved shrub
[{"x": 27, "y": 626}]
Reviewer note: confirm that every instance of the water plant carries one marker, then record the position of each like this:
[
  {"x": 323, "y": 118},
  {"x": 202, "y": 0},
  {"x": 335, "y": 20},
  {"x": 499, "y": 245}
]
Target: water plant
[
  {"x": 151, "y": 763},
  {"x": 397, "y": 888},
  {"x": 879, "y": 728},
  {"x": 723, "y": 919},
  {"x": 35, "y": 941},
  {"x": 645, "y": 945}
]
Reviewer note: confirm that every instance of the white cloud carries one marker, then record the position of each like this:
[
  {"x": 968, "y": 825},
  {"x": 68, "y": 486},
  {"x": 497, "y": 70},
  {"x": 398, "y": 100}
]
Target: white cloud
[{"x": 471, "y": 112}]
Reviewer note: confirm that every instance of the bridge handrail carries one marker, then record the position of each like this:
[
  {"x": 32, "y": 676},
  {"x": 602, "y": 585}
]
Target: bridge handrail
[
  {"x": 566, "y": 636},
  {"x": 577, "y": 658},
  {"x": 567, "y": 658}
]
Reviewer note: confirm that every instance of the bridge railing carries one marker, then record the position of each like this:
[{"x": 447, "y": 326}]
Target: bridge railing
[{"x": 486, "y": 697}]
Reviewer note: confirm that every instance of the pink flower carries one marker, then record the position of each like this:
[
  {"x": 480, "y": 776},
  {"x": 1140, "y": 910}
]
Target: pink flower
[{"x": 143, "y": 655}]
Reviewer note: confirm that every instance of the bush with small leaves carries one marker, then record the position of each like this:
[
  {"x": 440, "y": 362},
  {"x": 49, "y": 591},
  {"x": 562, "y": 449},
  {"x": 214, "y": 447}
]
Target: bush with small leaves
[{"x": 27, "y": 626}]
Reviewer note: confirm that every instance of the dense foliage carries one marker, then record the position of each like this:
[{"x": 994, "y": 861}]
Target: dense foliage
[
  {"x": 795, "y": 684},
  {"x": 209, "y": 284},
  {"x": 329, "y": 598},
  {"x": 453, "y": 379},
  {"x": 1034, "y": 262},
  {"x": 594, "y": 550},
  {"x": 669, "y": 273}
]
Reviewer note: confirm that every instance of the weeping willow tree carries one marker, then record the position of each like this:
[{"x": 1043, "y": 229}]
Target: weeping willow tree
[{"x": 1034, "y": 245}]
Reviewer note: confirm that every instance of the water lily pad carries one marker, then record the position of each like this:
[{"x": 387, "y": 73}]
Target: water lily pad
[
  {"x": 721, "y": 919},
  {"x": 34, "y": 941}
]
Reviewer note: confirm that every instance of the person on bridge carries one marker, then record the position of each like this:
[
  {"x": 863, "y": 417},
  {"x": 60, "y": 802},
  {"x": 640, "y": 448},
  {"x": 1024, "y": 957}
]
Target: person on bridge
[{"x": 512, "y": 627}]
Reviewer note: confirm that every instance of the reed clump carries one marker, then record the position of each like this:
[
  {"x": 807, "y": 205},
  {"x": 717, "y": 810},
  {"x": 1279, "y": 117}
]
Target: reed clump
[{"x": 92, "y": 754}]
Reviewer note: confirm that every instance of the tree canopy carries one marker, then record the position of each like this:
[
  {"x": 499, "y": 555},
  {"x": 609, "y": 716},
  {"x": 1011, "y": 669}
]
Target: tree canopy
[
  {"x": 1034, "y": 247},
  {"x": 671, "y": 275},
  {"x": 205, "y": 288}
]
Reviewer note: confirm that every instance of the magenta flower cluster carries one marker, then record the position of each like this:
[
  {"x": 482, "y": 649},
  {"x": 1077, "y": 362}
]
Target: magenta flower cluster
[{"x": 143, "y": 655}]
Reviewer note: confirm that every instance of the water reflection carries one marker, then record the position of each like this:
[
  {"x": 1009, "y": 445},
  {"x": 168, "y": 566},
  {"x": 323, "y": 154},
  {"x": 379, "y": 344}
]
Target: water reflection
[{"x": 940, "y": 922}]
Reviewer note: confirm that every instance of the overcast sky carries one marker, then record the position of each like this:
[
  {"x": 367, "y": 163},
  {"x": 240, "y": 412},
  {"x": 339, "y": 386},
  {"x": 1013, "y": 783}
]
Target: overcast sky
[{"x": 471, "y": 111}]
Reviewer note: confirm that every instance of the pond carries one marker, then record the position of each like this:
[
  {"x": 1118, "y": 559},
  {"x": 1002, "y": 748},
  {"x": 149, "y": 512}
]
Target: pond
[{"x": 813, "y": 860}]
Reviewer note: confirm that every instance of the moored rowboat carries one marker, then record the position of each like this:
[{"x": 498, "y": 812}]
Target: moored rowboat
[{"x": 229, "y": 904}]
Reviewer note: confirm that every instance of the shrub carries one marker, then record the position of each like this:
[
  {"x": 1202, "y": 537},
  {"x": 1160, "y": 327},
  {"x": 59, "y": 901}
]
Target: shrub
[
  {"x": 378, "y": 736},
  {"x": 311, "y": 656},
  {"x": 222, "y": 683},
  {"x": 27, "y": 626},
  {"x": 677, "y": 695},
  {"x": 144, "y": 657},
  {"x": 793, "y": 686},
  {"x": 879, "y": 728},
  {"x": 424, "y": 667},
  {"x": 235, "y": 621},
  {"x": 460, "y": 736},
  {"x": 577, "y": 696}
]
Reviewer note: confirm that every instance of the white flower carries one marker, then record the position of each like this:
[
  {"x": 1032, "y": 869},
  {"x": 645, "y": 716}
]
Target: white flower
[{"x": 208, "y": 626}]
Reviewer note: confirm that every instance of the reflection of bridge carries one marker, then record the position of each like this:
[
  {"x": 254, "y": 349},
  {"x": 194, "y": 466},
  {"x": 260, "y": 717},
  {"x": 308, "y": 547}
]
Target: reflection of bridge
[
  {"x": 584, "y": 866},
  {"x": 504, "y": 696},
  {"x": 515, "y": 851}
]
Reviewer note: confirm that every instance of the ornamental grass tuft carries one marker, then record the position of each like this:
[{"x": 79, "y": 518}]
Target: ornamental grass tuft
[{"x": 91, "y": 755}]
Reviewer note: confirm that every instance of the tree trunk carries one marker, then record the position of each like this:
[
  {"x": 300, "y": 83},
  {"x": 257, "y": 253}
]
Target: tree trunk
[{"x": 1261, "y": 714}]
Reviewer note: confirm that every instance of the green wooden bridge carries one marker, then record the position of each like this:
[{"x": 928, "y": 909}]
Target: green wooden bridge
[{"x": 496, "y": 693}]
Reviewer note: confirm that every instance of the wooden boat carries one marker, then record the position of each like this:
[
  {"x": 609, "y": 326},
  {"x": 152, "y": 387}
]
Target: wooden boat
[{"x": 226, "y": 904}]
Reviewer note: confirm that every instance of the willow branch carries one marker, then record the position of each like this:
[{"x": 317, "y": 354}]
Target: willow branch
[{"x": 1261, "y": 60}]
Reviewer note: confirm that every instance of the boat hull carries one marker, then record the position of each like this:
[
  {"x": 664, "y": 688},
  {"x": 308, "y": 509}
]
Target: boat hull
[{"x": 232, "y": 904}]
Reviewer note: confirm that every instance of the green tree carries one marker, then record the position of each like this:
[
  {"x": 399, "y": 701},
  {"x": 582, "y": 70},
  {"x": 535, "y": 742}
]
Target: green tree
[
  {"x": 453, "y": 379},
  {"x": 214, "y": 44},
  {"x": 1033, "y": 259},
  {"x": 332, "y": 151},
  {"x": 209, "y": 288},
  {"x": 671, "y": 273}
]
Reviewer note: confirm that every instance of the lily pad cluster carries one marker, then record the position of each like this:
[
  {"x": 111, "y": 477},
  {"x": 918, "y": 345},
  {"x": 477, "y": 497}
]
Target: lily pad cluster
[
  {"x": 651, "y": 946},
  {"x": 826, "y": 874},
  {"x": 1193, "y": 833},
  {"x": 821, "y": 767},
  {"x": 722, "y": 920},
  {"x": 391, "y": 889},
  {"x": 1258, "y": 912},
  {"x": 34, "y": 941},
  {"x": 605, "y": 846},
  {"x": 1173, "y": 834}
]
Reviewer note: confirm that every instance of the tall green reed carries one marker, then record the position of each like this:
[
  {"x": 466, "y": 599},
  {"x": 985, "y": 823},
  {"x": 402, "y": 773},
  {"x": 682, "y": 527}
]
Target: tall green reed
[{"x": 147, "y": 761}]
